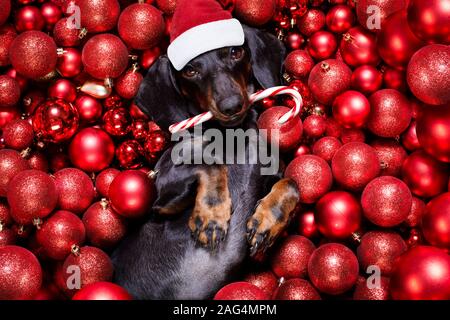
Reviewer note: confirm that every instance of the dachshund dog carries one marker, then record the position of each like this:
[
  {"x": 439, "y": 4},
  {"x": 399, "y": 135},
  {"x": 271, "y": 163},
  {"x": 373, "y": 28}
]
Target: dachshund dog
[{"x": 207, "y": 218}]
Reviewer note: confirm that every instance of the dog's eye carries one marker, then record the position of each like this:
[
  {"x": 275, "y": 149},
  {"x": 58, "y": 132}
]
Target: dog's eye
[
  {"x": 237, "y": 53},
  {"x": 189, "y": 72}
]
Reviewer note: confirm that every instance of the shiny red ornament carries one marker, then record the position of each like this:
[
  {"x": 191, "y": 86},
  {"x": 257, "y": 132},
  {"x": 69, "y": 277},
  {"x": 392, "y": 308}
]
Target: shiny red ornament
[
  {"x": 367, "y": 79},
  {"x": 313, "y": 21},
  {"x": 314, "y": 126},
  {"x": 166, "y": 6},
  {"x": 351, "y": 109},
  {"x": 358, "y": 47},
  {"x": 436, "y": 221},
  {"x": 33, "y": 54},
  {"x": 326, "y": 148},
  {"x": 117, "y": 121},
  {"x": 338, "y": 215},
  {"x": 307, "y": 168},
  {"x": 113, "y": 101},
  {"x": 409, "y": 138},
  {"x": 241, "y": 291},
  {"x": 294, "y": 40},
  {"x": 429, "y": 20},
  {"x": 104, "y": 180},
  {"x": 340, "y": 18},
  {"x": 354, "y": 165},
  {"x": 102, "y": 291},
  {"x": 298, "y": 63},
  {"x": 322, "y": 45},
  {"x": 364, "y": 291},
  {"x": 302, "y": 150},
  {"x": 99, "y": 15},
  {"x": 69, "y": 63},
  {"x": 424, "y": 175},
  {"x": 75, "y": 189},
  {"x": 395, "y": 79},
  {"x": 296, "y": 289},
  {"x": 31, "y": 194},
  {"x": 372, "y": 13},
  {"x": 427, "y": 74},
  {"x": 290, "y": 260},
  {"x": 55, "y": 121},
  {"x": 63, "y": 89},
  {"x": 91, "y": 150},
  {"x": 38, "y": 161},
  {"x": 328, "y": 79},
  {"x": 29, "y": 18},
  {"x": 286, "y": 135},
  {"x": 6, "y": 10},
  {"x": 59, "y": 233},
  {"x": 127, "y": 85},
  {"x": 255, "y": 12},
  {"x": 18, "y": 134},
  {"x": 139, "y": 129},
  {"x": 105, "y": 56},
  {"x": 11, "y": 163},
  {"x": 89, "y": 109},
  {"x": 386, "y": 201},
  {"x": 20, "y": 273},
  {"x": 130, "y": 154},
  {"x": 264, "y": 280},
  {"x": 65, "y": 34},
  {"x": 51, "y": 14},
  {"x": 391, "y": 156},
  {"x": 9, "y": 91},
  {"x": 148, "y": 57},
  {"x": 131, "y": 193},
  {"x": 422, "y": 273},
  {"x": 6, "y": 39},
  {"x": 414, "y": 217},
  {"x": 333, "y": 268}
]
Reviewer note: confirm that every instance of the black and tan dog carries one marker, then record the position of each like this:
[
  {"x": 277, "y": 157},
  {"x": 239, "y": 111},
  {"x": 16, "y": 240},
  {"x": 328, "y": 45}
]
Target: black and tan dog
[{"x": 208, "y": 218}]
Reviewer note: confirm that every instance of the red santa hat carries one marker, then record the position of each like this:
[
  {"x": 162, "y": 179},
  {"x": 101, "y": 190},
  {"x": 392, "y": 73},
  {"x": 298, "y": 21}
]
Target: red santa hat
[{"x": 199, "y": 26}]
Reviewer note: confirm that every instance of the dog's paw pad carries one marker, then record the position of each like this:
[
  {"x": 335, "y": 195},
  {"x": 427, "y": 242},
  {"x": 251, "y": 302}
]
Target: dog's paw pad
[{"x": 209, "y": 228}]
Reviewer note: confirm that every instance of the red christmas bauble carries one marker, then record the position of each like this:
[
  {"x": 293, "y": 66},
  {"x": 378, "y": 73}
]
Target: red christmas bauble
[
  {"x": 51, "y": 14},
  {"x": 148, "y": 57},
  {"x": 427, "y": 74},
  {"x": 104, "y": 180},
  {"x": 104, "y": 56},
  {"x": 296, "y": 289},
  {"x": 59, "y": 233},
  {"x": 63, "y": 89},
  {"x": 69, "y": 63},
  {"x": 117, "y": 121},
  {"x": 326, "y": 148},
  {"x": 338, "y": 215},
  {"x": 436, "y": 221},
  {"x": 11, "y": 163},
  {"x": 264, "y": 280},
  {"x": 6, "y": 39},
  {"x": 394, "y": 79},
  {"x": 7, "y": 237},
  {"x": 75, "y": 189},
  {"x": 287, "y": 135},
  {"x": 307, "y": 225},
  {"x": 422, "y": 273},
  {"x": 340, "y": 18},
  {"x": 131, "y": 193},
  {"x": 255, "y": 12},
  {"x": 166, "y": 6},
  {"x": 18, "y": 134},
  {"x": 365, "y": 292},
  {"x": 32, "y": 99},
  {"x": 328, "y": 79},
  {"x": 89, "y": 109},
  {"x": 294, "y": 40},
  {"x": 145, "y": 18},
  {"x": 391, "y": 156},
  {"x": 102, "y": 291},
  {"x": 5, "y": 215},
  {"x": 409, "y": 138},
  {"x": 367, "y": 79},
  {"x": 9, "y": 91},
  {"x": 299, "y": 63},
  {"x": 372, "y": 13},
  {"x": 6, "y": 10},
  {"x": 302, "y": 150},
  {"x": 99, "y": 15},
  {"x": 354, "y": 165},
  {"x": 139, "y": 129},
  {"x": 334, "y": 129},
  {"x": 127, "y": 85},
  {"x": 307, "y": 168},
  {"x": 351, "y": 109},
  {"x": 130, "y": 154},
  {"x": 29, "y": 18},
  {"x": 314, "y": 126},
  {"x": 65, "y": 34},
  {"x": 424, "y": 175},
  {"x": 241, "y": 291},
  {"x": 358, "y": 47},
  {"x": 414, "y": 217},
  {"x": 21, "y": 80},
  {"x": 38, "y": 161},
  {"x": 290, "y": 260},
  {"x": 386, "y": 201},
  {"x": 322, "y": 45},
  {"x": 33, "y": 54},
  {"x": 91, "y": 150},
  {"x": 352, "y": 135},
  {"x": 430, "y": 20},
  {"x": 55, "y": 120},
  {"x": 20, "y": 273},
  {"x": 312, "y": 21},
  {"x": 59, "y": 160},
  {"x": 386, "y": 105},
  {"x": 333, "y": 268}
]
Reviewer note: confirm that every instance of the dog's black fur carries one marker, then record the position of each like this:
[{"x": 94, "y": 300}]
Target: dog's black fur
[{"x": 162, "y": 260}]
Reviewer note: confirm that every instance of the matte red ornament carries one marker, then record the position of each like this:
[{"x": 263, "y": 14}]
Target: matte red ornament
[
  {"x": 384, "y": 8},
  {"x": 65, "y": 35},
  {"x": 423, "y": 273},
  {"x": 395, "y": 79},
  {"x": 314, "y": 126},
  {"x": 11, "y": 163},
  {"x": 352, "y": 135},
  {"x": 9, "y": 91},
  {"x": 358, "y": 47},
  {"x": 63, "y": 89},
  {"x": 307, "y": 168},
  {"x": 391, "y": 156},
  {"x": 367, "y": 79},
  {"x": 414, "y": 217},
  {"x": 20, "y": 273},
  {"x": 127, "y": 85},
  {"x": 4, "y": 14},
  {"x": 333, "y": 268},
  {"x": 102, "y": 291},
  {"x": 18, "y": 134},
  {"x": 51, "y": 14},
  {"x": 436, "y": 221},
  {"x": 117, "y": 121},
  {"x": 38, "y": 161},
  {"x": 424, "y": 175},
  {"x": 326, "y": 147},
  {"x": 104, "y": 180},
  {"x": 91, "y": 150},
  {"x": 296, "y": 289},
  {"x": 33, "y": 54},
  {"x": 264, "y": 280},
  {"x": 290, "y": 260},
  {"x": 351, "y": 109},
  {"x": 312, "y": 21},
  {"x": 58, "y": 161},
  {"x": 241, "y": 291},
  {"x": 29, "y": 18},
  {"x": 409, "y": 138},
  {"x": 98, "y": 15},
  {"x": 299, "y": 63},
  {"x": 365, "y": 290},
  {"x": 89, "y": 109},
  {"x": 69, "y": 63},
  {"x": 255, "y": 12},
  {"x": 340, "y": 18},
  {"x": 338, "y": 215},
  {"x": 334, "y": 129},
  {"x": 322, "y": 45},
  {"x": 130, "y": 154}
]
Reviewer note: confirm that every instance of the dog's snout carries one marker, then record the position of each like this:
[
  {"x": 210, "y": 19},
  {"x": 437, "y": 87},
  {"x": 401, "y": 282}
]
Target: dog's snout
[{"x": 231, "y": 105}]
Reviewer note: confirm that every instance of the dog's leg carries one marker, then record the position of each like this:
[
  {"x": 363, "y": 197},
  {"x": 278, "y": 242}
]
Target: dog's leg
[
  {"x": 272, "y": 215},
  {"x": 212, "y": 210}
]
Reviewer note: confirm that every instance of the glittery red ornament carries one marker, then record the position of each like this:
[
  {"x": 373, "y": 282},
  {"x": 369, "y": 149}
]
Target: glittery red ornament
[
  {"x": 255, "y": 12},
  {"x": 429, "y": 20},
  {"x": 322, "y": 45},
  {"x": 167, "y": 6},
  {"x": 313, "y": 21},
  {"x": 352, "y": 135},
  {"x": 290, "y": 260},
  {"x": 38, "y": 161},
  {"x": 91, "y": 150},
  {"x": 354, "y": 165},
  {"x": 264, "y": 280},
  {"x": 75, "y": 189},
  {"x": 340, "y": 18},
  {"x": 105, "y": 56},
  {"x": 130, "y": 154},
  {"x": 328, "y": 79},
  {"x": 307, "y": 168},
  {"x": 18, "y": 134},
  {"x": 395, "y": 79},
  {"x": 422, "y": 273},
  {"x": 427, "y": 74},
  {"x": 436, "y": 221},
  {"x": 6, "y": 10},
  {"x": 33, "y": 54},
  {"x": 51, "y": 14},
  {"x": 424, "y": 175},
  {"x": 386, "y": 201},
  {"x": 296, "y": 289},
  {"x": 351, "y": 109},
  {"x": 334, "y": 129},
  {"x": 391, "y": 156},
  {"x": 20, "y": 273},
  {"x": 367, "y": 79},
  {"x": 5, "y": 214},
  {"x": 287, "y": 135},
  {"x": 314, "y": 126},
  {"x": 21, "y": 80},
  {"x": 89, "y": 109},
  {"x": 29, "y": 18},
  {"x": 69, "y": 63},
  {"x": 6, "y": 39},
  {"x": 373, "y": 20},
  {"x": 104, "y": 180},
  {"x": 326, "y": 148},
  {"x": 298, "y": 63},
  {"x": 9, "y": 91},
  {"x": 364, "y": 291},
  {"x": 7, "y": 237},
  {"x": 99, "y": 15},
  {"x": 333, "y": 268},
  {"x": 64, "y": 35},
  {"x": 127, "y": 85},
  {"x": 102, "y": 291},
  {"x": 31, "y": 194},
  {"x": 415, "y": 215},
  {"x": 358, "y": 47},
  {"x": 63, "y": 89},
  {"x": 55, "y": 120},
  {"x": 409, "y": 138},
  {"x": 241, "y": 291},
  {"x": 11, "y": 163},
  {"x": 59, "y": 233}
]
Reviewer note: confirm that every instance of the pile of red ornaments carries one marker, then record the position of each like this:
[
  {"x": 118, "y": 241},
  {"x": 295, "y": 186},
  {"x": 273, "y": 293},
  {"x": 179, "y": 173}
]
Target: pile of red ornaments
[{"x": 370, "y": 151}]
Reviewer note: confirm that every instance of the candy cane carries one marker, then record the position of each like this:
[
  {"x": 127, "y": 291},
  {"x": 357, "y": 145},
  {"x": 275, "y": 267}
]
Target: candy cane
[{"x": 271, "y": 92}]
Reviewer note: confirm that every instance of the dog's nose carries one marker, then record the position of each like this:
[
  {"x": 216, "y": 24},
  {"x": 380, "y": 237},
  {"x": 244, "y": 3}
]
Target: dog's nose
[{"x": 231, "y": 105}]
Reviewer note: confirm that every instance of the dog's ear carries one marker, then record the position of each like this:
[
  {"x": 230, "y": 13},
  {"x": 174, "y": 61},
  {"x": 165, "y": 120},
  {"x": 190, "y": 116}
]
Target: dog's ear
[
  {"x": 267, "y": 56},
  {"x": 159, "y": 98}
]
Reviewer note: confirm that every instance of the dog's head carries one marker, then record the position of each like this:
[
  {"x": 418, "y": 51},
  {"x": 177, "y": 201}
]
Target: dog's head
[{"x": 217, "y": 81}]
